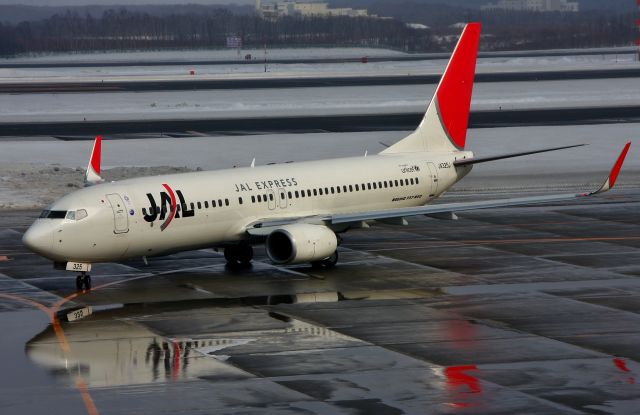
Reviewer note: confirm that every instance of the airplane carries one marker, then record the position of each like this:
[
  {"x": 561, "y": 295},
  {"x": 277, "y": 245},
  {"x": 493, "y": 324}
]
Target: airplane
[{"x": 298, "y": 210}]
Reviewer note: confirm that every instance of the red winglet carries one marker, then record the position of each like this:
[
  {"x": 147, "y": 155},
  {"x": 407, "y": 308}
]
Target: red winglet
[
  {"x": 616, "y": 168},
  {"x": 613, "y": 176},
  {"x": 92, "y": 175},
  {"x": 95, "y": 155}
]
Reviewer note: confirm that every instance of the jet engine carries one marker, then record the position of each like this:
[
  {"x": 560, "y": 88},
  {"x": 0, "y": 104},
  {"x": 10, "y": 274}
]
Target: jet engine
[{"x": 301, "y": 242}]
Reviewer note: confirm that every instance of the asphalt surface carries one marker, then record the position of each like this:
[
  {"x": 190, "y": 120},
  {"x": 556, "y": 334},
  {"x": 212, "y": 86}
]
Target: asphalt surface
[
  {"x": 86, "y": 130},
  {"x": 257, "y": 61},
  {"x": 195, "y": 83},
  {"x": 523, "y": 310}
]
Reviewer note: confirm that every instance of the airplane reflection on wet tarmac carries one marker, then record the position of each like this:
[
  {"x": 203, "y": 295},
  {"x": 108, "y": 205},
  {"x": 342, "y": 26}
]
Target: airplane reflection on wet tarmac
[{"x": 109, "y": 351}]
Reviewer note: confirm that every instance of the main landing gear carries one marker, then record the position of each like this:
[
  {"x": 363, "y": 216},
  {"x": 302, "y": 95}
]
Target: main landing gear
[
  {"x": 238, "y": 255},
  {"x": 83, "y": 281},
  {"x": 326, "y": 263}
]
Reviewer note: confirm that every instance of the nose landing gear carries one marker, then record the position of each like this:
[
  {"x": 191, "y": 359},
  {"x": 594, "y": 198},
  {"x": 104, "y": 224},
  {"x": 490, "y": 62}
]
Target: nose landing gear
[{"x": 83, "y": 281}]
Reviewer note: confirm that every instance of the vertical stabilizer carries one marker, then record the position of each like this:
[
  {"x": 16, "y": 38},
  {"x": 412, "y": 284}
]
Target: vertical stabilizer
[{"x": 444, "y": 126}]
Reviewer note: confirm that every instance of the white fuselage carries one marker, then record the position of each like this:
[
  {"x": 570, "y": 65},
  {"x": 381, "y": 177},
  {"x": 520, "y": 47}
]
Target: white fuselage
[{"x": 216, "y": 207}]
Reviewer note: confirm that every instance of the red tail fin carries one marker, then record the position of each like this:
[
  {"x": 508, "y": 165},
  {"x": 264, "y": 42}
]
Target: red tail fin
[
  {"x": 444, "y": 126},
  {"x": 454, "y": 92}
]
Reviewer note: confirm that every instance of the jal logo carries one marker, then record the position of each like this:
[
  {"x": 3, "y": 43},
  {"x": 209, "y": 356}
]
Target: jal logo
[{"x": 167, "y": 210}]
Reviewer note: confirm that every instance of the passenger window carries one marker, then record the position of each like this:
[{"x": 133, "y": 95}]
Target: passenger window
[
  {"x": 226, "y": 202},
  {"x": 350, "y": 188},
  {"x": 253, "y": 199},
  {"x": 240, "y": 200},
  {"x": 297, "y": 194},
  {"x": 264, "y": 198},
  {"x": 315, "y": 192},
  {"x": 309, "y": 192},
  {"x": 375, "y": 187},
  {"x": 338, "y": 189},
  {"x": 344, "y": 189},
  {"x": 396, "y": 183},
  {"x": 271, "y": 197},
  {"x": 289, "y": 194},
  {"x": 302, "y": 193},
  {"x": 213, "y": 203},
  {"x": 379, "y": 185},
  {"x": 333, "y": 190},
  {"x": 326, "y": 190},
  {"x": 385, "y": 184},
  {"x": 206, "y": 204},
  {"x": 417, "y": 182},
  {"x": 411, "y": 181},
  {"x": 357, "y": 188},
  {"x": 192, "y": 206},
  {"x": 259, "y": 198}
]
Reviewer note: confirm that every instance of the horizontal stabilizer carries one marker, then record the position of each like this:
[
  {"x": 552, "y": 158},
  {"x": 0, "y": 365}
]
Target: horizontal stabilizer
[{"x": 464, "y": 162}]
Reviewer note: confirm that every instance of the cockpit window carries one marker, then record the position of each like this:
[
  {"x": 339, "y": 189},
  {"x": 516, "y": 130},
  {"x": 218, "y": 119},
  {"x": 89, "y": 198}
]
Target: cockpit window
[
  {"x": 53, "y": 214},
  {"x": 76, "y": 214}
]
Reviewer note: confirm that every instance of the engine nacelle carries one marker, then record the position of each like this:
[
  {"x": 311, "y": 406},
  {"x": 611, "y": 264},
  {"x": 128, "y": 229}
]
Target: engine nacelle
[{"x": 301, "y": 242}]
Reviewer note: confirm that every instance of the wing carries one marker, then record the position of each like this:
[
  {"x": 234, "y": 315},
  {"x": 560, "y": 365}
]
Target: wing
[{"x": 264, "y": 227}]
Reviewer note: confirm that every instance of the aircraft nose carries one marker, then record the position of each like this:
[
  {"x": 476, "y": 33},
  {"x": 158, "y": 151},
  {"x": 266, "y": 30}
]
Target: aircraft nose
[{"x": 39, "y": 238}]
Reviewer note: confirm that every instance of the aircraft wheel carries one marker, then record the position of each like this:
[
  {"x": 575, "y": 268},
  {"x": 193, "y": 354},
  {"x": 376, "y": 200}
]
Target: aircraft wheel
[
  {"x": 331, "y": 261},
  {"x": 231, "y": 255},
  {"x": 327, "y": 263},
  {"x": 238, "y": 254},
  {"x": 87, "y": 282},
  {"x": 245, "y": 254}
]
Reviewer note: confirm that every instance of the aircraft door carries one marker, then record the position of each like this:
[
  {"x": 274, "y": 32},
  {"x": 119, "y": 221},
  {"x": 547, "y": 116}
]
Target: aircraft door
[
  {"x": 433, "y": 179},
  {"x": 120, "y": 218},
  {"x": 282, "y": 198},
  {"x": 272, "y": 199}
]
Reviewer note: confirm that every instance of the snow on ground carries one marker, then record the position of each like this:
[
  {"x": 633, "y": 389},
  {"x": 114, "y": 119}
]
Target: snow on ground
[
  {"x": 307, "y": 101},
  {"x": 206, "y": 54},
  {"x": 34, "y": 173}
]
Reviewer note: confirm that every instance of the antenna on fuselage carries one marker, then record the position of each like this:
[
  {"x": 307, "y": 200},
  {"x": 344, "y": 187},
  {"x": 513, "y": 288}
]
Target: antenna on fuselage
[{"x": 253, "y": 163}]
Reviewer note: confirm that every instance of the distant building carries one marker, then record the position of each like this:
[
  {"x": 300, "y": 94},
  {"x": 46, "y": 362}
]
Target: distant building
[
  {"x": 282, "y": 8},
  {"x": 533, "y": 5},
  {"x": 417, "y": 26}
]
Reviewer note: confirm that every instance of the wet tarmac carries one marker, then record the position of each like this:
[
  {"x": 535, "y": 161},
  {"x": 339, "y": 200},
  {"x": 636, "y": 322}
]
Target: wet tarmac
[
  {"x": 523, "y": 310},
  {"x": 178, "y": 127},
  {"x": 93, "y": 62},
  {"x": 181, "y": 84}
]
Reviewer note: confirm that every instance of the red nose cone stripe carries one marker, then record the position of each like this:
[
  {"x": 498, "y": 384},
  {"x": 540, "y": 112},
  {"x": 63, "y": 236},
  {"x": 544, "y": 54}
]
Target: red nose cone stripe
[
  {"x": 172, "y": 214},
  {"x": 456, "y": 86},
  {"x": 616, "y": 168}
]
